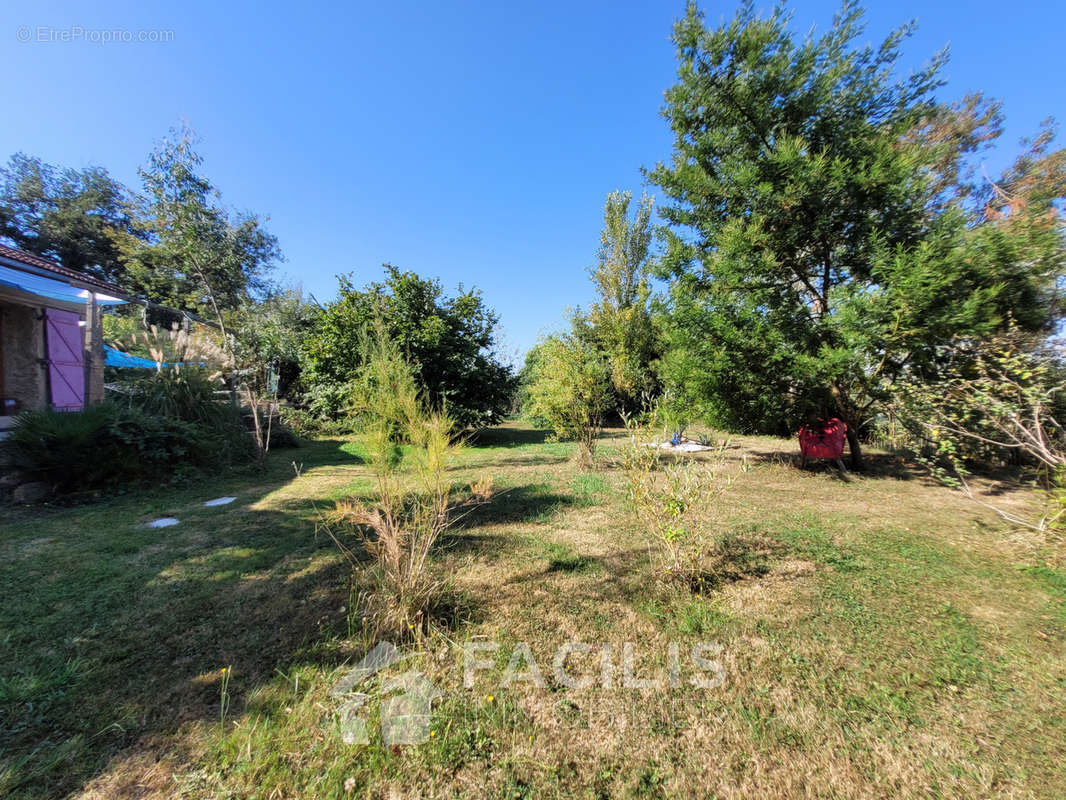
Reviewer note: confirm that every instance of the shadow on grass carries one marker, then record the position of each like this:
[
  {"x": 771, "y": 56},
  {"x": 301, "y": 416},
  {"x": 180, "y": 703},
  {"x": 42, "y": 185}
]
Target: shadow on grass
[
  {"x": 115, "y": 633},
  {"x": 508, "y": 437},
  {"x": 875, "y": 465},
  {"x": 531, "y": 460},
  {"x": 528, "y": 503},
  {"x": 629, "y": 575}
]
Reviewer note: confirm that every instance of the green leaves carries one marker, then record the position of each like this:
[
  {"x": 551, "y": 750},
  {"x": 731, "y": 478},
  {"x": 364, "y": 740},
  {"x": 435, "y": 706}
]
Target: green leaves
[
  {"x": 815, "y": 245},
  {"x": 70, "y": 215},
  {"x": 450, "y": 342},
  {"x": 569, "y": 388},
  {"x": 188, "y": 251}
]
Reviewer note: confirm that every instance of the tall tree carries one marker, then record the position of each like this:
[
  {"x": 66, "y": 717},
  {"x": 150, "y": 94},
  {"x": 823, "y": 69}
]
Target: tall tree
[
  {"x": 805, "y": 236},
  {"x": 620, "y": 322},
  {"x": 196, "y": 255},
  {"x": 69, "y": 215}
]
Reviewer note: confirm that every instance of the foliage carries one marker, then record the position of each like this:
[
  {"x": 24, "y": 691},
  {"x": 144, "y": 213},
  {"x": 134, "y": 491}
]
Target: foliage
[
  {"x": 570, "y": 390},
  {"x": 620, "y": 323},
  {"x": 111, "y": 446},
  {"x": 304, "y": 424},
  {"x": 450, "y": 343},
  {"x": 271, "y": 333},
  {"x": 952, "y": 137},
  {"x": 993, "y": 398},
  {"x": 810, "y": 243},
  {"x": 413, "y": 499},
  {"x": 69, "y": 215},
  {"x": 263, "y": 343},
  {"x": 175, "y": 244},
  {"x": 670, "y": 499},
  {"x": 193, "y": 253},
  {"x": 193, "y": 395}
]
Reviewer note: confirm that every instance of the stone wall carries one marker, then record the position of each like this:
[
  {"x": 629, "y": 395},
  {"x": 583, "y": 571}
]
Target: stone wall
[{"x": 22, "y": 340}]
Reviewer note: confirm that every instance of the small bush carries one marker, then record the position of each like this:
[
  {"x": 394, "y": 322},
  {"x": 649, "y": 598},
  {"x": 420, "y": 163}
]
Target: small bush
[
  {"x": 671, "y": 499},
  {"x": 413, "y": 500},
  {"x": 305, "y": 424},
  {"x": 169, "y": 426},
  {"x": 191, "y": 395},
  {"x": 569, "y": 388}
]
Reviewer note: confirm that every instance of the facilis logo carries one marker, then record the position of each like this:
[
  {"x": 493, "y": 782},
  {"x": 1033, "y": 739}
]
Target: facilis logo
[{"x": 408, "y": 697}]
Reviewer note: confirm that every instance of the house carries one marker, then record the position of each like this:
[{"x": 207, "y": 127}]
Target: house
[{"x": 51, "y": 336}]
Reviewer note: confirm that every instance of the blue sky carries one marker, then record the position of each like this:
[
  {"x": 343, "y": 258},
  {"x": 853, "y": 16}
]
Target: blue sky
[{"x": 474, "y": 142}]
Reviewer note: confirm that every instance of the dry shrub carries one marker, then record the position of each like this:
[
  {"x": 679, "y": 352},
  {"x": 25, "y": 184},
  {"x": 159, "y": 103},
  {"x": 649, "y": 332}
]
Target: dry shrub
[{"x": 409, "y": 447}]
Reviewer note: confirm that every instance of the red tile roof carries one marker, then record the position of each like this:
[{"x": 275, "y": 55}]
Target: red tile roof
[{"x": 31, "y": 260}]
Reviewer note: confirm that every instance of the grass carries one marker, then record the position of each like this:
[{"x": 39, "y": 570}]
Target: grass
[{"x": 880, "y": 637}]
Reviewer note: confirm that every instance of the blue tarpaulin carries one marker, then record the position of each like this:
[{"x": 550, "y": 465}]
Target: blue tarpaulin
[
  {"x": 116, "y": 358},
  {"x": 52, "y": 288}
]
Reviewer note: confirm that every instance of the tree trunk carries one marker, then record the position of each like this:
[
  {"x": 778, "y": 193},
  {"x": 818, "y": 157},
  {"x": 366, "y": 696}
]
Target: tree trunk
[
  {"x": 852, "y": 428},
  {"x": 854, "y": 447}
]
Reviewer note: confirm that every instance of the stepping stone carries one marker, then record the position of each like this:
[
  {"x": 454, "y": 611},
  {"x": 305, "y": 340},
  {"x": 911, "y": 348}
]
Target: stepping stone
[
  {"x": 220, "y": 501},
  {"x": 163, "y": 522}
]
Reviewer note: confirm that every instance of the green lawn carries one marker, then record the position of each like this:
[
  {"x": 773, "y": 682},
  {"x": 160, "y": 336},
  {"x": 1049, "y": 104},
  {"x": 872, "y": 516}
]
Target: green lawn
[{"x": 881, "y": 637}]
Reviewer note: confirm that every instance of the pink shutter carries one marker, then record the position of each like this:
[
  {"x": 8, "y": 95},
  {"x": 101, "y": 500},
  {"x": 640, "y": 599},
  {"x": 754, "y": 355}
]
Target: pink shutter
[{"x": 66, "y": 365}]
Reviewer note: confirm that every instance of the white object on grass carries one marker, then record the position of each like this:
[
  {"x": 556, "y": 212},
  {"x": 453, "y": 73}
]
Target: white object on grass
[
  {"x": 163, "y": 522},
  {"x": 220, "y": 501},
  {"x": 684, "y": 447}
]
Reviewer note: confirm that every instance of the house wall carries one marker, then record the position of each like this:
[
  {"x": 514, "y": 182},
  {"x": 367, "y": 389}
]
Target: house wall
[{"x": 22, "y": 342}]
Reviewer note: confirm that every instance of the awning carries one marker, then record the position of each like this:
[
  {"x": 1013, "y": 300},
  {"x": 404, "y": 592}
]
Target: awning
[{"x": 51, "y": 288}]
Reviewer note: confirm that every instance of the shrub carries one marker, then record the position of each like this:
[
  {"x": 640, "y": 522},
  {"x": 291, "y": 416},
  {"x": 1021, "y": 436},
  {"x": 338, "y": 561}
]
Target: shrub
[
  {"x": 169, "y": 425},
  {"x": 670, "y": 499},
  {"x": 996, "y": 400},
  {"x": 106, "y": 447},
  {"x": 569, "y": 388},
  {"x": 305, "y": 424},
  {"x": 451, "y": 344},
  {"x": 412, "y": 497},
  {"x": 191, "y": 395}
]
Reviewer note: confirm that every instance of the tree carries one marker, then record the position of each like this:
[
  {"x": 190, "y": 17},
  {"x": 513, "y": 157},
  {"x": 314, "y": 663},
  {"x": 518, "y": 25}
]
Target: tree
[
  {"x": 953, "y": 136},
  {"x": 195, "y": 255},
  {"x": 995, "y": 397},
  {"x": 620, "y": 323},
  {"x": 273, "y": 331},
  {"x": 69, "y": 215},
  {"x": 263, "y": 344},
  {"x": 450, "y": 342},
  {"x": 809, "y": 244},
  {"x": 570, "y": 390}
]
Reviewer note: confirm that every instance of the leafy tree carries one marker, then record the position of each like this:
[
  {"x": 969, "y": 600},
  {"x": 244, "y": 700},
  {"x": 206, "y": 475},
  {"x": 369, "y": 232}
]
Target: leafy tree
[
  {"x": 570, "y": 390},
  {"x": 272, "y": 333},
  {"x": 68, "y": 215},
  {"x": 195, "y": 255},
  {"x": 812, "y": 239},
  {"x": 450, "y": 341},
  {"x": 620, "y": 323}
]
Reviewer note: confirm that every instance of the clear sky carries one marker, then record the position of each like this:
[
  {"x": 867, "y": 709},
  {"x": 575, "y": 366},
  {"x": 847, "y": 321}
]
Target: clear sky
[{"x": 474, "y": 142}]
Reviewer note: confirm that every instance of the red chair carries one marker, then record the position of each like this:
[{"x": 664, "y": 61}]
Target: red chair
[{"x": 824, "y": 439}]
